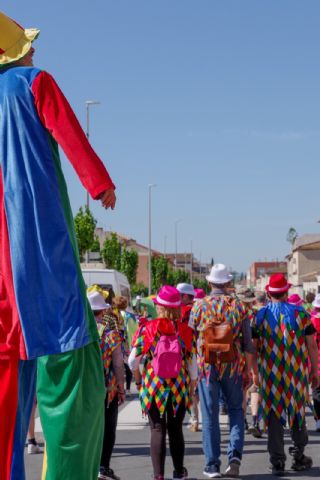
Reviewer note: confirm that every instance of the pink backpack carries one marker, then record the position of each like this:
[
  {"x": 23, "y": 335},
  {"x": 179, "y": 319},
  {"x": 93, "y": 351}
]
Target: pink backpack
[{"x": 167, "y": 357}]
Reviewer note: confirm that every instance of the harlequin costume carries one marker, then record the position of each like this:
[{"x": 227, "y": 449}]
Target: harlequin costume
[
  {"x": 165, "y": 400},
  {"x": 283, "y": 370},
  {"x": 223, "y": 377},
  {"x": 45, "y": 318},
  {"x": 156, "y": 388}
]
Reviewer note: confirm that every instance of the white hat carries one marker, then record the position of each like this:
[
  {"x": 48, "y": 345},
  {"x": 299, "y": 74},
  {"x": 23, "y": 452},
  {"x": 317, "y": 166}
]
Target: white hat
[
  {"x": 186, "y": 288},
  {"x": 97, "y": 302},
  {"x": 219, "y": 274},
  {"x": 316, "y": 301}
]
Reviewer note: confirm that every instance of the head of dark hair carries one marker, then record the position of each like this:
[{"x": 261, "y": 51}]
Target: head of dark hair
[
  {"x": 310, "y": 297},
  {"x": 279, "y": 295}
]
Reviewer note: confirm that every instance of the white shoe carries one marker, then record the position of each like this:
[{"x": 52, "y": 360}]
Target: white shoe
[
  {"x": 128, "y": 393},
  {"x": 318, "y": 426},
  {"x": 33, "y": 449}
]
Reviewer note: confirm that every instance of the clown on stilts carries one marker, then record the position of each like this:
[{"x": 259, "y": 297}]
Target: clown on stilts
[{"x": 46, "y": 323}]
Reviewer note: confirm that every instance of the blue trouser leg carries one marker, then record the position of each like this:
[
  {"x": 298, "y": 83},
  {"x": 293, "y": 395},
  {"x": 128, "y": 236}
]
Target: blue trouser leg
[
  {"x": 26, "y": 395},
  {"x": 209, "y": 402},
  {"x": 233, "y": 392}
]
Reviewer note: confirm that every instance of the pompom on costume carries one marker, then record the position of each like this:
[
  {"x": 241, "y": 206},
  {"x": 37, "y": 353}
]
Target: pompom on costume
[{"x": 45, "y": 319}]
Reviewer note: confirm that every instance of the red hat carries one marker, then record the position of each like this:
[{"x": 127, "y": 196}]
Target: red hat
[
  {"x": 295, "y": 299},
  {"x": 200, "y": 293},
  {"x": 168, "y": 297},
  {"x": 278, "y": 284}
]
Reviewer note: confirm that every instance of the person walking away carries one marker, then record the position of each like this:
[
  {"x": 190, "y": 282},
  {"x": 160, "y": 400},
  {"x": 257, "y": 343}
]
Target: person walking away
[
  {"x": 247, "y": 297},
  {"x": 52, "y": 329},
  {"x": 187, "y": 296},
  {"x": 110, "y": 344},
  {"x": 220, "y": 321},
  {"x": 169, "y": 375},
  {"x": 286, "y": 339},
  {"x": 315, "y": 319}
]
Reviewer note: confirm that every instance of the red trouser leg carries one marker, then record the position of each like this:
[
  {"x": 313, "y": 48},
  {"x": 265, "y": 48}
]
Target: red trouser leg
[{"x": 8, "y": 411}]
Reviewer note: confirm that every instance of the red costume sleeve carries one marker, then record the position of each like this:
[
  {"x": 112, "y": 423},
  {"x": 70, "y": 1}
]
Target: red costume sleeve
[{"x": 58, "y": 117}]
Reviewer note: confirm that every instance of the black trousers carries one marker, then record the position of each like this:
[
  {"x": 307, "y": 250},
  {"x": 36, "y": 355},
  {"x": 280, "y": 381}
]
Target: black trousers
[
  {"x": 159, "y": 427},
  {"x": 110, "y": 426},
  {"x": 316, "y": 405},
  {"x": 128, "y": 376},
  {"x": 299, "y": 436}
]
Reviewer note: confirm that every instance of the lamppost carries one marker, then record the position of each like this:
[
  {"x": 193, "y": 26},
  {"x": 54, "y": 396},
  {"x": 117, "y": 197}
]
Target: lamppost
[
  {"x": 150, "y": 186},
  {"x": 176, "y": 242},
  {"x": 88, "y": 103}
]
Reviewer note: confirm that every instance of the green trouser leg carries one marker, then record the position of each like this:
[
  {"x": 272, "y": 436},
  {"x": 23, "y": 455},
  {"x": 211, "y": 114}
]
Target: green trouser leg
[{"x": 71, "y": 393}]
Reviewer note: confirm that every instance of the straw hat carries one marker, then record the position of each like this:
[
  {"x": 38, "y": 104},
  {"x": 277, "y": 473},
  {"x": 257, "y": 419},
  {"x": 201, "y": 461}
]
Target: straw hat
[{"x": 15, "y": 41}]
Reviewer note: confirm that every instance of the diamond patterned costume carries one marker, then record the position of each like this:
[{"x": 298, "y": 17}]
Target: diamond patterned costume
[
  {"x": 224, "y": 307},
  {"x": 283, "y": 362},
  {"x": 157, "y": 388},
  {"x": 109, "y": 341}
]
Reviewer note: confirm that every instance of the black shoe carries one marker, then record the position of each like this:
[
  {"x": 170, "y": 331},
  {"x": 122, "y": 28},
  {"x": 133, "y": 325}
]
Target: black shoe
[
  {"x": 246, "y": 425},
  {"x": 278, "y": 469},
  {"x": 180, "y": 476},
  {"x": 107, "y": 474},
  {"x": 255, "y": 431},
  {"x": 302, "y": 463}
]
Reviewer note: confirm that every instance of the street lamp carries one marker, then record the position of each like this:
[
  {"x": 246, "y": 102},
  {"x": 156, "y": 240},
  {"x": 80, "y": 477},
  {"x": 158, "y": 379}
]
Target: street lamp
[
  {"x": 88, "y": 103},
  {"x": 176, "y": 241},
  {"x": 150, "y": 186}
]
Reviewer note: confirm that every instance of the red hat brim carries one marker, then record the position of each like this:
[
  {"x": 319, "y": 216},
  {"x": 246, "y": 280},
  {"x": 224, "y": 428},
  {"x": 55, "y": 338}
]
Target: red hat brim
[{"x": 278, "y": 290}]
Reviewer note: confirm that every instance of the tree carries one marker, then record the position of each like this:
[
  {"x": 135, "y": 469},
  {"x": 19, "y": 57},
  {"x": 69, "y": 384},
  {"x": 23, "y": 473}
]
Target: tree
[
  {"x": 292, "y": 235},
  {"x": 111, "y": 252},
  {"x": 159, "y": 271},
  {"x": 95, "y": 247},
  {"x": 139, "y": 289},
  {"x": 85, "y": 225},
  {"x": 129, "y": 264}
]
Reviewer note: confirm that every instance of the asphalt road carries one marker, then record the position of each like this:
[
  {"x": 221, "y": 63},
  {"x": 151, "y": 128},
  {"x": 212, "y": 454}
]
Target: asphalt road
[{"x": 131, "y": 458}]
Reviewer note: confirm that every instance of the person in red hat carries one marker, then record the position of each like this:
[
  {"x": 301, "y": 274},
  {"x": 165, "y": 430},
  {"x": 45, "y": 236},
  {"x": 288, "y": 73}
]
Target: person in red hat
[
  {"x": 169, "y": 367},
  {"x": 286, "y": 340}
]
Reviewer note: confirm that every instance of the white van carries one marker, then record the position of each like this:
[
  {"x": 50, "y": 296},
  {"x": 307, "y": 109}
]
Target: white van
[{"x": 106, "y": 278}]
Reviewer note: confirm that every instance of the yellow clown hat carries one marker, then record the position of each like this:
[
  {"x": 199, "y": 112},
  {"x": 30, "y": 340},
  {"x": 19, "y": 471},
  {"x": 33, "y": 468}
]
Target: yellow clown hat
[{"x": 15, "y": 41}]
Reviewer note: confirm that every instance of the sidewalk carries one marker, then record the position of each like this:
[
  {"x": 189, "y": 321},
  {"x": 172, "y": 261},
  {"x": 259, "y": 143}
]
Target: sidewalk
[{"x": 131, "y": 458}]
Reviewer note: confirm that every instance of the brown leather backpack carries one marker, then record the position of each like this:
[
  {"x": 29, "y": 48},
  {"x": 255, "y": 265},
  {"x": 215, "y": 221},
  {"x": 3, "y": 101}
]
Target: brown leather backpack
[{"x": 218, "y": 342}]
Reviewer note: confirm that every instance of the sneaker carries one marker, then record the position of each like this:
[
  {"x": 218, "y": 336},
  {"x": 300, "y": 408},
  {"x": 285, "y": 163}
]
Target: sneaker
[
  {"x": 318, "y": 426},
  {"x": 303, "y": 463},
  {"x": 34, "y": 448},
  {"x": 107, "y": 474},
  {"x": 128, "y": 393},
  {"x": 212, "y": 471},
  {"x": 180, "y": 476},
  {"x": 278, "y": 469},
  {"x": 194, "y": 427},
  {"x": 255, "y": 431},
  {"x": 233, "y": 470}
]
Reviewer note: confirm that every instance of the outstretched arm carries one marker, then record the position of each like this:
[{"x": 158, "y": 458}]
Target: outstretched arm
[{"x": 59, "y": 119}]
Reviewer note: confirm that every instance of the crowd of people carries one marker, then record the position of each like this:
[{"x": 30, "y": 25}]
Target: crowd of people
[{"x": 215, "y": 351}]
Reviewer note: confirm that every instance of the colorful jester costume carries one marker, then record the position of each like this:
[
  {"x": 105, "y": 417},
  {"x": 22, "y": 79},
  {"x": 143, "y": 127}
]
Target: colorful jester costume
[
  {"x": 44, "y": 313},
  {"x": 225, "y": 308},
  {"x": 156, "y": 388},
  {"x": 283, "y": 362}
]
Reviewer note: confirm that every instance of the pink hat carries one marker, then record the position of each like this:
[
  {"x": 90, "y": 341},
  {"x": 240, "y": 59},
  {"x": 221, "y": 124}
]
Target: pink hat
[
  {"x": 168, "y": 296},
  {"x": 199, "y": 293},
  {"x": 278, "y": 284},
  {"x": 295, "y": 299}
]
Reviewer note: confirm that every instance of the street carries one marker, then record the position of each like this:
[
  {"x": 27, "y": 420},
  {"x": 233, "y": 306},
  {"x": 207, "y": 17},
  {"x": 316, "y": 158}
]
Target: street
[{"x": 131, "y": 458}]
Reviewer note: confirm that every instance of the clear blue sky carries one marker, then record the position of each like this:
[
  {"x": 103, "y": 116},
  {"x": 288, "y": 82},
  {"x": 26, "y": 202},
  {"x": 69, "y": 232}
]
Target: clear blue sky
[{"x": 215, "y": 101}]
